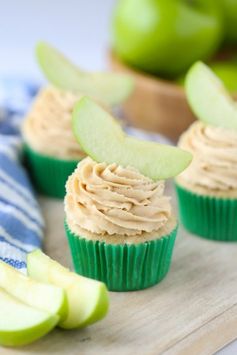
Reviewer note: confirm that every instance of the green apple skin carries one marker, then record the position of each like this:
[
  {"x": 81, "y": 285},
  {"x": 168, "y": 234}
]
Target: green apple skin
[
  {"x": 226, "y": 72},
  {"x": 21, "y": 324},
  {"x": 102, "y": 138},
  {"x": 108, "y": 88},
  {"x": 36, "y": 294},
  {"x": 88, "y": 299},
  {"x": 209, "y": 99},
  {"x": 229, "y": 10},
  {"x": 166, "y": 37}
]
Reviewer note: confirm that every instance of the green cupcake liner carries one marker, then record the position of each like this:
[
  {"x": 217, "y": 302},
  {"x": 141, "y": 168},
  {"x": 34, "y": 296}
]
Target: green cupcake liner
[
  {"x": 49, "y": 175},
  {"x": 122, "y": 267},
  {"x": 209, "y": 217}
]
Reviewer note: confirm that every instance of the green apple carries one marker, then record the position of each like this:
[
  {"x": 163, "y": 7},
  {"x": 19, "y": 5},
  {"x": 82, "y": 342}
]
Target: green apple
[
  {"x": 208, "y": 97},
  {"x": 109, "y": 88},
  {"x": 87, "y": 299},
  {"x": 102, "y": 138},
  {"x": 165, "y": 37},
  {"x": 229, "y": 10},
  {"x": 227, "y": 73},
  {"x": 45, "y": 297},
  {"x": 21, "y": 324}
]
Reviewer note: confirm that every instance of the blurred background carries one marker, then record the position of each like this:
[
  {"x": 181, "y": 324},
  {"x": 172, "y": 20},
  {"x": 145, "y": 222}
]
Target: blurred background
[
  {"x": 79, "y": 28},
  {"x": 155, "y": 41}
]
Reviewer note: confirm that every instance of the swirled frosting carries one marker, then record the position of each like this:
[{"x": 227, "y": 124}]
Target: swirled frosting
[
  {"x": 214, "y": 165},
  {"x": 47, "y": 127},
  {"x": 111, "y": 200}
]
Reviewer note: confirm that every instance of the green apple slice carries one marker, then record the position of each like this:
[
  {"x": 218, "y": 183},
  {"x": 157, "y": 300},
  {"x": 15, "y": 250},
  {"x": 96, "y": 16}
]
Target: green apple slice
[
  {"x": 33, "y": 293},
  {"x": 102, "y": 138},
  {"x": 209, "y": 99},
  {"x": 109, "y": 88},
  {"x": 87, "y": 299},
  {"x": 21, "y": 324}
]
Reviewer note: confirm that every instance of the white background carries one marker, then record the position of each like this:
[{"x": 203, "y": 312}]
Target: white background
[{"x": 80, "y": 28}]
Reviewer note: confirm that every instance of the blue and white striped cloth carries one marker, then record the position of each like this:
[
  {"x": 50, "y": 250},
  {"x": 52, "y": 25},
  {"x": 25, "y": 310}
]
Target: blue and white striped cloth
[{"x": 21, "y": 224}]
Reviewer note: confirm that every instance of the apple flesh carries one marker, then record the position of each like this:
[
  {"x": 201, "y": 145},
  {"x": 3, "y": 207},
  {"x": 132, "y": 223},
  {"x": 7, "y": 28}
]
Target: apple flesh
[
  {"x": 108, "y": 88},
  {"x": 102, "y": 138},
  {"x": 88, "y": 299},
  {"x": 209, "y": 99},
  {"x": 166, "y": 37},
  {"x": 45, "y": 297},
  {"x": 21, "y": 324},
  {"x": 226, "y": 72}
]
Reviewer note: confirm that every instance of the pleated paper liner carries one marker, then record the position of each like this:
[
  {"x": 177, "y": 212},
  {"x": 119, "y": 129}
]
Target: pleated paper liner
[
  {"x": 209, "y": 217},
  {"x": 49, "y": 175},
  {"x": 122, "y": 267}
]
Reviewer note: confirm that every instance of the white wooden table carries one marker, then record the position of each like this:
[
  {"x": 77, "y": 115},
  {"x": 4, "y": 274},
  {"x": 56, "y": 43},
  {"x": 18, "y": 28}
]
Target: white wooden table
[{"x": 192, "y": 311}]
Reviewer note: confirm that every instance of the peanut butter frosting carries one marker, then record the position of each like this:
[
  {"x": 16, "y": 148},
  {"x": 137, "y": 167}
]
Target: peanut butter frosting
[
  {"x": 214, "y": 165},
  {"x": 47, "y": 127},
  {"x": 116, "y": 203}
]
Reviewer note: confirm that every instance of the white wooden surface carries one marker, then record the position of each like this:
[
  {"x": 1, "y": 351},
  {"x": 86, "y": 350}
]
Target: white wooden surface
[{"x": 192, "y": 311}]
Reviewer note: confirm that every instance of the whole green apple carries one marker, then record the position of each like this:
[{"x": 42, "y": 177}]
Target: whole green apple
[
  {"x": 229, "y": 9},
  {"x": 165, "y": 37}
]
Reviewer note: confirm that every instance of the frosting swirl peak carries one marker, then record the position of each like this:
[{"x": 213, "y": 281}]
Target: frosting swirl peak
[
  {"x": 112, "y": 200},
  {"x": 47, "y": 127},
  {"x": 214, "y": 165}
]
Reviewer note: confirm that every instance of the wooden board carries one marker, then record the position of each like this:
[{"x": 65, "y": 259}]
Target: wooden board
[{"x": 192, "y": 311}]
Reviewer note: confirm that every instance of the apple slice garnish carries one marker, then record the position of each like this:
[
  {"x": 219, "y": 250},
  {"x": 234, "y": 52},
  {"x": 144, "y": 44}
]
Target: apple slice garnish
[
  {"x": 109, "y": 88},
  {"x": 21, "y": 324},
  {"x": 208, "y": 98},
  {"x": 88, "y": 299},
  {"x": 45, "y": 297},
  {"x": 103, "y": 139}
]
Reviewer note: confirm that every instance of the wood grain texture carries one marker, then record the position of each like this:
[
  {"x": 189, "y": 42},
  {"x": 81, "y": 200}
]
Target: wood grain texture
[{"x": 192, "y": 311}]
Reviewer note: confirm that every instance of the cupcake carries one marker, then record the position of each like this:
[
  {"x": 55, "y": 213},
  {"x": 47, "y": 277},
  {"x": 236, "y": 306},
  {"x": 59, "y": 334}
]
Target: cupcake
[
  {"x": 207, "y": 189},
  {"x": 51, "y": 151},
  {"x": 119, "y": 223}
]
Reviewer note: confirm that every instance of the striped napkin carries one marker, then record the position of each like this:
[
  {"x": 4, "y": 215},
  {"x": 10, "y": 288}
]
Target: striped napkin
[{"x": 21, "y": 224}]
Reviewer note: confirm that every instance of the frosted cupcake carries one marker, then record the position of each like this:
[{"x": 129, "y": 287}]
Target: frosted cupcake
[
  {"x": 119, "y": 223},
  {"x": 207, "y": 189},
  {"x": 51, "y": 150}
]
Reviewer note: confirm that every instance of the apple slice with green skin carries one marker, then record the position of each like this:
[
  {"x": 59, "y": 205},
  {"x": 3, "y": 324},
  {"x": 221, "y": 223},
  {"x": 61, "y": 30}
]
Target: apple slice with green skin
[
  {"x": 109, "y": 88},
  {"x": 88, "y": 299},
  {"x": 45, "y": 297},
  {"x": 21, "y": 324},
  {"x": 209, "y": 99},
  {"x": 102, "y": 138}
]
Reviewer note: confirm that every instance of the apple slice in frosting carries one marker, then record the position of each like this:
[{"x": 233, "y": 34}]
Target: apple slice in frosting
[
  {"x": 209, "y": 99},
  {"x": 103, "y": 139},
  {"x": 108, "y": 88}
]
